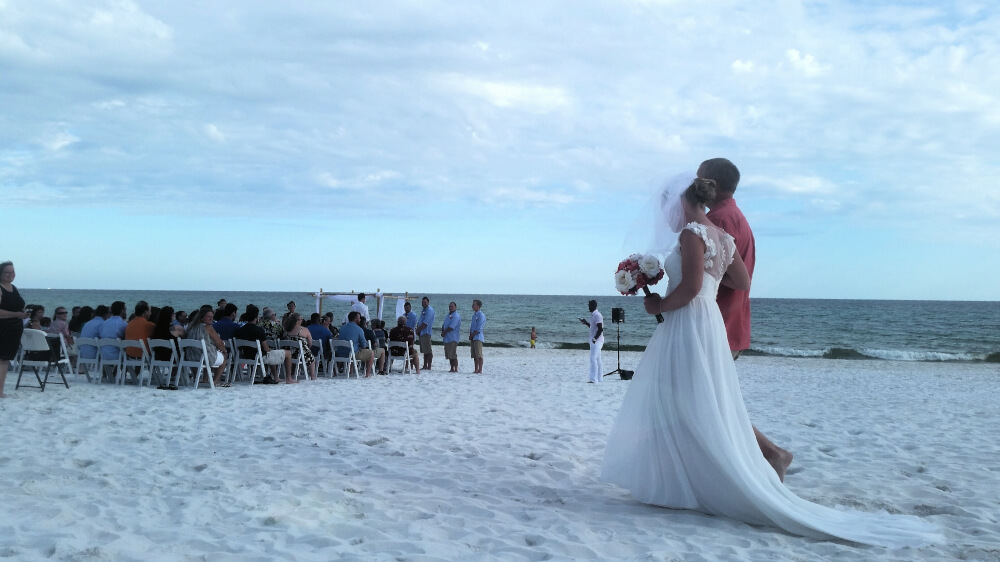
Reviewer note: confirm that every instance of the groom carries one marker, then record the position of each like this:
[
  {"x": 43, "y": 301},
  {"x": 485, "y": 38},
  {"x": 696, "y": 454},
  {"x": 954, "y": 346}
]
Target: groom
[{"x": 735, "y": 304}]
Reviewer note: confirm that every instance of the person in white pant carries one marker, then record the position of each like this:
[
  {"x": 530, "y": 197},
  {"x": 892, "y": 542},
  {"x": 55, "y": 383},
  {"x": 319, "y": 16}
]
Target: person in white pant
[{"x": 596, "y": 325}]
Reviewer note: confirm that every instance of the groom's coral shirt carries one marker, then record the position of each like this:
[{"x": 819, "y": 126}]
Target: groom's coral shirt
[{"x": 735, "y": 305}]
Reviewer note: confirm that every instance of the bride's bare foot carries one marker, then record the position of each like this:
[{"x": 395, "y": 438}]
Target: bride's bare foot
[
  {"x": 291, "y": 381},
  {"x": 780, "y": 463}
]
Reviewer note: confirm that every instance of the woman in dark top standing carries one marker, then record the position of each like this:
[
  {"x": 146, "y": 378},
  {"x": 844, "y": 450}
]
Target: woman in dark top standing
[{"x": 11, "y": 320}]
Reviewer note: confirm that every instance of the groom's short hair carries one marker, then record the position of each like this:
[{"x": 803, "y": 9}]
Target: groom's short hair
[{"x": 724, "y": 172}]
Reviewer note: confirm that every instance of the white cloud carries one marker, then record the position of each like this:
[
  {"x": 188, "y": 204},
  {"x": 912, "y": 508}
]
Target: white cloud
[
  {"x": 58, "y": 141},
  {"x": 742, "y": 67},
  {"x": 214, "y": 133},
  {"x": 529, "y": 97},
  {"x": 806, "y": 64}
]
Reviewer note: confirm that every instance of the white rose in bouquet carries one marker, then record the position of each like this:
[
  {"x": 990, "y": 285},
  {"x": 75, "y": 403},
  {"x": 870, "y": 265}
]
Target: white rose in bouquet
[
  {"x": 635, "y": 257},
  {"x": 650, "y": 265},
  {"x": 624, "y": 281}
]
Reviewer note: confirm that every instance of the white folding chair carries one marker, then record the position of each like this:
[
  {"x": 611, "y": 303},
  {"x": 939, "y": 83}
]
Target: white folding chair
[
  {"x": 298, "y": 357},
  {"x": 109, "y": 367},
  {"x": 319, "y": 353},
  {"x": 91, "y": 365},
  {"x": 242, "y": 350},
  {"x": 160, "y": 367},
  {"x": 193, "y": 358},
  {"x": 405, "y": 357},
  {"x": 133, "y": 366},
  {"x": 39, "y": 352},
  {"x": 349, "y": 362},
  {"x": 229, "y": 371}
]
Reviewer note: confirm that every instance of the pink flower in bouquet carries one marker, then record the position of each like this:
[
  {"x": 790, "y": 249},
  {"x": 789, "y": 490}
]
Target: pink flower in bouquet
[{"x": 636, "y": 273}]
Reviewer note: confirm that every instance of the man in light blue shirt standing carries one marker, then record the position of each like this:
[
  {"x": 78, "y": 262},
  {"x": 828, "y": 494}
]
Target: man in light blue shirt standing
[
  {"x": 476, "y": 335},
  {"x": 424, "y": 331},
  {"x": 411, "y": 317},
  {"x": 449, "y": 334}
]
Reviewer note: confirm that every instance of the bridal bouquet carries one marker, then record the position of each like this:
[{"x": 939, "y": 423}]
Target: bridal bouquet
[{"x": 636, "y": 272}]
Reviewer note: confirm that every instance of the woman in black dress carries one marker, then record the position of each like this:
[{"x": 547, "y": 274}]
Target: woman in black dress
[{"x": 11, "y": 316}]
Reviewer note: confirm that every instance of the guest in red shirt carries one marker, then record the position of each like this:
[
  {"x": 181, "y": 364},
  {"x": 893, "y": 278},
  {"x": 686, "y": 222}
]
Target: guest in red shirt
[{"x": 735, "y": 304}]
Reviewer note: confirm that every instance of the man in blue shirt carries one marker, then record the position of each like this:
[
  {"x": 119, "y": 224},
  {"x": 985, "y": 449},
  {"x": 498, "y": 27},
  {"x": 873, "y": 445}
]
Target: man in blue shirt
[
  {"x": 320, "y": 331},
  {"x": 92, "y": 329},
  {"x": 424, "y": 330},
  {"x": 113, "y": 327},
  {"x": 449, "y": 334},
  {"x": 353, "y": 333},
  {"x": 411, "y": 317},
  {"x": 476, "y": 335},
  {"x": 226, "y": 325}
]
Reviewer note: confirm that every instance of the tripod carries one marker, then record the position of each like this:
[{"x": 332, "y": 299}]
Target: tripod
[{"x": 625, "y": 375}]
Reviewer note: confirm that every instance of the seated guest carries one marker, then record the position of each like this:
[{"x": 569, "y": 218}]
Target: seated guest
[
  {"x": 200, "y": 328},
  {"x": 405, "y": 334},
  {"x": 75, "y": 324},
  {"x": 378, "y": 351},
  {"x": 226, "y": 325},
  {"x": 269, "y": 322},
  {"x": 113, "y": 327},
  {"x": 92, "y": 329},
  {"x": 139, "y": 328},
  {"x": 272, "y": 357},
  {"x": 295, "y": 332},
  {"x": 352, "y": 332},
  {"x": 59, "y": 325},
  {"x": 180, "y": 319},
  {"x": 35, "y": 314},
  {"x": 163, "y": 330},
  {"x": 320, "y": 333},
  {"x": 220, "y": 310}
]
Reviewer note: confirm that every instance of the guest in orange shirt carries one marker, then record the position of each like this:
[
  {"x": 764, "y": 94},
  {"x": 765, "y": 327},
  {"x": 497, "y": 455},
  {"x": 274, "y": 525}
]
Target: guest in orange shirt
[{"x": 139, "y": 328}]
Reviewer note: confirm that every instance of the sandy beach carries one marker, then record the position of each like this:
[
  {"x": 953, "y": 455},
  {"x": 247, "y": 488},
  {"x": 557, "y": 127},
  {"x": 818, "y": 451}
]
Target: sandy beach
[{"x": 502, "y": 466}]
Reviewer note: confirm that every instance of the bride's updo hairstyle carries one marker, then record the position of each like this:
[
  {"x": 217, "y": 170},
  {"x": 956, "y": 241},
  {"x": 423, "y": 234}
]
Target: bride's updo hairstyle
[{"x": 700, "y": 192}]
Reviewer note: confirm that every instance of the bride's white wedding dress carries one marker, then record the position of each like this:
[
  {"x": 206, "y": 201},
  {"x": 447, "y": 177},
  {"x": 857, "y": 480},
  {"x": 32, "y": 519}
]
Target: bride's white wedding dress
[{"x": 683, "y": 438}]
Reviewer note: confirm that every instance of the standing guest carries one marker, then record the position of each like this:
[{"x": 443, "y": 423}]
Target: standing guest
[
  {"x": 534, "y": 337},
  {"x": 378, "y": 352},
  {"x": 476, "y": 326},
  {"x": 404, "y": 333},
  {"x": 92, "y": 329},
  {"x": 450, "y": 329},
  {"x": 411, "y": 317},
  {"x": 269, "y": 322},
  {"x": 272, "y": 357},
  {"x": 361, "y": 308},
  {"x": 596, "y": 325},
  {"x": 291, "y": 310},
  {"x": 60, "y": 324},
  {"x": 12, "y": 317},
  {"x": 75, "y": 321},
  {"x": 139, "y": 328},
  {"x": 320, "y": 333},
  {"x": 734, "y": 303},
  {"x": 295, "y": 331},
  {"x": 352, "y": 332},
  {"x": 226, "y": 324},
  {"x": 114, "y": 328},
  {"x": 424, "y": 324},
  {"x": 35, "y": 314},
  {"x": 201, "y": 328}
]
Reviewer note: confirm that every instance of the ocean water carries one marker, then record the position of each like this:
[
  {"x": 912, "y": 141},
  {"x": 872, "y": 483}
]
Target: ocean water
[{"x": 834, "y": 329}]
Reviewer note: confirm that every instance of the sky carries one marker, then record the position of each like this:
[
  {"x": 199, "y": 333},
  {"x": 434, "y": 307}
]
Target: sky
[{"x": 485, "y": 147}]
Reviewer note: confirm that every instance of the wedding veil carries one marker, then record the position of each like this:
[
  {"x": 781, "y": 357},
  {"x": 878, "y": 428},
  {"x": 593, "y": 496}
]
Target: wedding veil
[{"x": 661, "y": 220}]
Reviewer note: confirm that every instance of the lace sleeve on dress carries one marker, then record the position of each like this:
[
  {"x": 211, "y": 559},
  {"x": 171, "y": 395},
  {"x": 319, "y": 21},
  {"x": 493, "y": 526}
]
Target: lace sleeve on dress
[{"x": 719, "y": 248}]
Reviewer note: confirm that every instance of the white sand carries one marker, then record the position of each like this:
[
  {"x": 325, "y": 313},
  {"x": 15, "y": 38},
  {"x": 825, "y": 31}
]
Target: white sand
[{"x": 465, "y": 467}]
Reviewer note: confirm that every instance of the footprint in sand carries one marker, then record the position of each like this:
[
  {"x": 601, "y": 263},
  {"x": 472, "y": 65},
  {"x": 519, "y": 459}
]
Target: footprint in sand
[{"x": 83, "y": 463}]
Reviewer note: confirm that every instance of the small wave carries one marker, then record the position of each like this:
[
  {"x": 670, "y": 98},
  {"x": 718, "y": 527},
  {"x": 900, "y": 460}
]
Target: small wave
[
  {"x": 993, "y": 358},
  {"x": 895, "y": 355},
  {"x": 785, "y": 352}
]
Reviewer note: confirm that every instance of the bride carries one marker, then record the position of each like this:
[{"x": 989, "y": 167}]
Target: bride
[{"x": 683, "y": 438}]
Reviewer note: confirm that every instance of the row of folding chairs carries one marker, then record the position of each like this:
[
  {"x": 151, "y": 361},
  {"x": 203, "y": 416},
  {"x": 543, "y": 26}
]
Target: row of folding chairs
[
  {"x": 187, "y": 365},
  {"x": 40, "y": 351}
]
